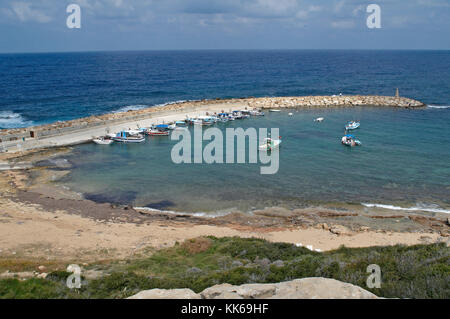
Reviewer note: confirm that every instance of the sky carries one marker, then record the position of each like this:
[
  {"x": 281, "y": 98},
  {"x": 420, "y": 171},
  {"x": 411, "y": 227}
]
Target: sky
[{"x": 40, "y": 25}]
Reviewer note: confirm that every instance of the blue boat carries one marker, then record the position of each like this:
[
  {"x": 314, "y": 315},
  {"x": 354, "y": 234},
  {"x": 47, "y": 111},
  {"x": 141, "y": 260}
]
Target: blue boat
[
  {"x": 180, "y": 123},
  {"x": 352, "y": 125}
]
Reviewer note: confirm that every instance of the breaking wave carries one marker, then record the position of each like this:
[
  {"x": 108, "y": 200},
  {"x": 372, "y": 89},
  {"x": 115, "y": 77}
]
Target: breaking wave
[
  {"x": 131, "y": 108},
  {"x": 423, "y": 208},
  {"x": 439, "y": 106},
  {"x": 141, "y": 106},
  {"x": 199, "y": 214},
  {"x": 9, "y": 119}
]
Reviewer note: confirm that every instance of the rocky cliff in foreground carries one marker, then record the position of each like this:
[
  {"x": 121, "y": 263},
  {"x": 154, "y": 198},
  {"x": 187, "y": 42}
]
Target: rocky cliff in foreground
[{"x": 306, "y": 288}]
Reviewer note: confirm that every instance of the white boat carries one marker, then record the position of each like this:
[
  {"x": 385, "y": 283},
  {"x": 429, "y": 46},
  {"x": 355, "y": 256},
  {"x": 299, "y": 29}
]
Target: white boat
[
  {"x": 125, "y": 137},
  {"x": 102, "y": 141},
  {"x": 352, "y": 125},
  {"x": 319, "y": 119},
  {"x": 350, "y": 140},
  {"x": 134, "y": 132},
  {"x": 269, "y": 144},
  {"x": 237, "y": 115},
  {"x": 256, "y": 113},
  {"x": 274, "y": 110}
]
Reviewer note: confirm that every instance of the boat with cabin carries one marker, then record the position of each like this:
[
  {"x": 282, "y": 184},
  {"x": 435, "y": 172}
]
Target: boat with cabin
[{"x": 126, "y": 137}]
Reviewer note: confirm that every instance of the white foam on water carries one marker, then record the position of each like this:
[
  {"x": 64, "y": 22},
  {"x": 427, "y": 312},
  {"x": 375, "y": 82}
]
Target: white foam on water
[
  {"x": 438, "y": 106},
  {"x": 173, "y": 102},
  {"x": 9, "y": 119},
  {"x": 131, "y": 108},
  {"x": 198, "y": 214},
  {"x": 429, "y": 208},
  {"x": 142, "y": 106}
]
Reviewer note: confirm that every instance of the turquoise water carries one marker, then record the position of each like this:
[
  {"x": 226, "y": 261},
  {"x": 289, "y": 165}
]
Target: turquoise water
[{"x": 404, "y": 161}]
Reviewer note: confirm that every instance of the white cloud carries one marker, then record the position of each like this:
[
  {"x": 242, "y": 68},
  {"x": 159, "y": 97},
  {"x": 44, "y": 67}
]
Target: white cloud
[
  {"x": 343, "y": 24},
  {"x": 358, "y": 10},
  {"x": 25, "y": 12},
  {"x": 338, "y": 5},
  {"x": 303, "y": 14}
]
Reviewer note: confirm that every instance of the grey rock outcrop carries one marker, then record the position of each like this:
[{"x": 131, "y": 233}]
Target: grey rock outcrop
[
  {"x": 306, "y": 288},
  {"x": 166, "y": 294}
]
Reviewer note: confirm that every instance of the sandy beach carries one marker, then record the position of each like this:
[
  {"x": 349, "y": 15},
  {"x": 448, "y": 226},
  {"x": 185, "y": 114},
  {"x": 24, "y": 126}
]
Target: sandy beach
[{"x": 39, "y": 221}]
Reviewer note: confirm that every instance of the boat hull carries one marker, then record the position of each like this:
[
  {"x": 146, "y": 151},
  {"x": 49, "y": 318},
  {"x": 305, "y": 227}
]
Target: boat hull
[{"x": 128, "y": 140}]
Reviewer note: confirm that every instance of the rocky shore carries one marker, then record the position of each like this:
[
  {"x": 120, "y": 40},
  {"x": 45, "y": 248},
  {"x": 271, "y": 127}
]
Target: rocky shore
[{"x": 16, "y": 140}]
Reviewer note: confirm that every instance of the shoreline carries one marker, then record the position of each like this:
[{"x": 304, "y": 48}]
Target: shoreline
[
  {"x": 40, "y": 220},
  {"x": 82, "y": 130}
]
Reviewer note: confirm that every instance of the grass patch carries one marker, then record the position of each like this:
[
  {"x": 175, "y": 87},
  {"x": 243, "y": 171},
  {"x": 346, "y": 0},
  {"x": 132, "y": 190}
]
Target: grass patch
[{"x": 421, "y": 271}]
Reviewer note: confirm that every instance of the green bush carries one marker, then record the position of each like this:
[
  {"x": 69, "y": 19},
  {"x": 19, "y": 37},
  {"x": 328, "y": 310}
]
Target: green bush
[{"x": 421, "y": 271}]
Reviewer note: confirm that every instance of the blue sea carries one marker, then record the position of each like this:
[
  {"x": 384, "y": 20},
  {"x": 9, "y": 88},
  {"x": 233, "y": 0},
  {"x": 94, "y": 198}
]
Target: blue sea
[
  {"x": 404, "y": 160},
  {"x": 43, "y": 88}
]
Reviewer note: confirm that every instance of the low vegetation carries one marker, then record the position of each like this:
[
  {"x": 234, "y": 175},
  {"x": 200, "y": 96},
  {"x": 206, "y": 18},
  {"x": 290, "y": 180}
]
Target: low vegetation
[{"x": 421, "y": 271}]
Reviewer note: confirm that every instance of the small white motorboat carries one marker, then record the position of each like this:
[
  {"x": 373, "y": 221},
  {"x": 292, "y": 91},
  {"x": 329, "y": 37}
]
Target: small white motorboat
[
  {"x": 352, "y": 125},
  {"x": 350, "y": 140},
  {"x": 256, "y": 113},
  {"x": 319, "y": 119},
  {"x": 291, "y": 114},
  {"x": 102, "y": 141},
  {"x": 269, "y": 144},
  {"x": 274, "y": 110}
]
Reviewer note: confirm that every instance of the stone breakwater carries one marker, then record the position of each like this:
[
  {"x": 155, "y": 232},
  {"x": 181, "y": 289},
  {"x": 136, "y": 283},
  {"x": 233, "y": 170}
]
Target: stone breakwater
[{"x": 28, "y": 138}]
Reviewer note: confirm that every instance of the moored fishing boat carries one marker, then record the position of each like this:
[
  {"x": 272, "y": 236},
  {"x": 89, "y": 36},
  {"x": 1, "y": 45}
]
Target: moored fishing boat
[
  {"x": 126, "y": 137},
  {"x": 256, "y": 113},
  {"x": 223, "y": 117},
  {"x": 350, "y": 140},
  {"x": 102, "y": 140},
  {"x": 181, "y": 123},
  {"x": 319, "y": 119},
  {"x": 204, "y": 120},
  {"x": 237, "y": 115},
  {"x": 153, "y": 132},
  {"x": 352, "y": 125},
  {"x": 158, "y": 130},
  {"x": 269, "y": 144}
]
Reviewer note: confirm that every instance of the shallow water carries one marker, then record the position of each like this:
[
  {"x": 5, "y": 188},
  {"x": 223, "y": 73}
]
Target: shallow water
[{"x": 404, "y": 161}]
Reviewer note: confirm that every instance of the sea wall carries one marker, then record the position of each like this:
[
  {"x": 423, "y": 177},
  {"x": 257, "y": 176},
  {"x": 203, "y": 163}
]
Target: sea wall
[{"x": 11, "y": 139}]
